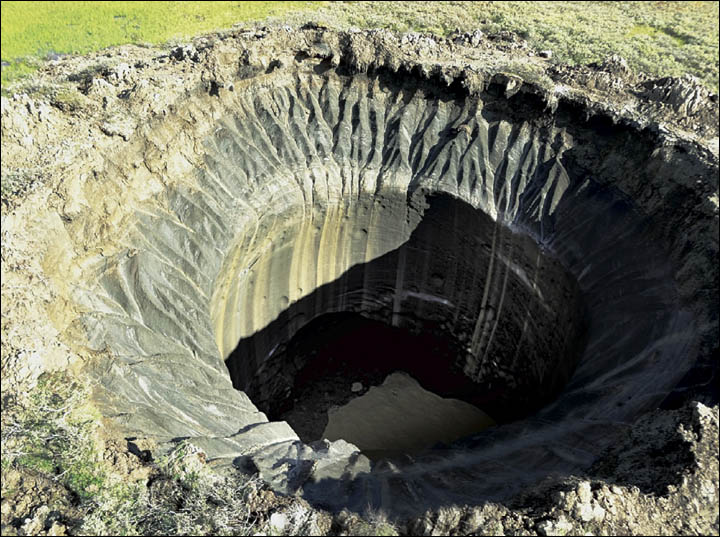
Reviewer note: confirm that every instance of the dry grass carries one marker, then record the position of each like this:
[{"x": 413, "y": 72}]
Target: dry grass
[
  {"x": 657, "y": 38},
  {"x": 51, "y": 437}
]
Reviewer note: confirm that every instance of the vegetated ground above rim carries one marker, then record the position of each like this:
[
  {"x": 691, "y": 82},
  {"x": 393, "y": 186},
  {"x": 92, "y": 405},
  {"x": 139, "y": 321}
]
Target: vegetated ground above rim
[
  {"x": 36, "y": 31},
  {"x": 657, "y": 38}
]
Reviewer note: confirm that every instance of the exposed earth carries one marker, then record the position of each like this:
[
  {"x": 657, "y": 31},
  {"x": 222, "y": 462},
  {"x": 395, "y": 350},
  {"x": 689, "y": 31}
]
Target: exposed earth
[
  {"x": 172, "y": 218},
  {"x": 400, "y": 418}
]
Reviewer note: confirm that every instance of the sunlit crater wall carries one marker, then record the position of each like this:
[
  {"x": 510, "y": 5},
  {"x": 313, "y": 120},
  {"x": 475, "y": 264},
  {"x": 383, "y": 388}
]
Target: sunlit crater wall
[
  {"x": 291, "y": 182},
  {"x": 353, "y": 161}
]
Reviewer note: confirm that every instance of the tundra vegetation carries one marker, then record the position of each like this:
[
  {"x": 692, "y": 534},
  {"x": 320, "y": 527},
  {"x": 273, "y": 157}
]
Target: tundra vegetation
[
  {"x": 33, "y": 32},
  {"x": 54, "y": 443},
  {"x": 658, "y": 38}
]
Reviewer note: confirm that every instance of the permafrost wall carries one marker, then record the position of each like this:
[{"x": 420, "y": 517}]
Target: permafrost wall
[{"x": 561, "y": 244}]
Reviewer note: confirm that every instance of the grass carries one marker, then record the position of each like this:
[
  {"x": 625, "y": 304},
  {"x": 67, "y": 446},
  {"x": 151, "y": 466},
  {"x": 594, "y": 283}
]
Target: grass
[
  {"x": 32, "y": 31},
  {"x": 186, "y": 499},
  {"x": 640, "y": 30},
  {"x": 656, "y": 38},
  {"x": 50, "y": 433}
]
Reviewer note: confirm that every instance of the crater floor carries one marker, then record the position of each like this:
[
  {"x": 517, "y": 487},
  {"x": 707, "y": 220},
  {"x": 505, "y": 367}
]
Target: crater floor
[
  {"x": 399, "y": 417},
  {"x": 348, "y": 357}
]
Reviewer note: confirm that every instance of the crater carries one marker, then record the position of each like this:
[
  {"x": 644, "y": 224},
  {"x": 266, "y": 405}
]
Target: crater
[
  {"x": 464, "y": 234},
  {"x": 468, "y": 308}
]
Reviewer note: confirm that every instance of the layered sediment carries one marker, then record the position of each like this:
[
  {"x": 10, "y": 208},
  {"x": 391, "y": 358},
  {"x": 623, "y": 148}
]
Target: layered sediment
[{"x": 564, "y": 239}]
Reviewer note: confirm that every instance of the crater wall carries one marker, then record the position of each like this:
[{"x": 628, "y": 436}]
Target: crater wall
[{"x": 577, "y": 248}]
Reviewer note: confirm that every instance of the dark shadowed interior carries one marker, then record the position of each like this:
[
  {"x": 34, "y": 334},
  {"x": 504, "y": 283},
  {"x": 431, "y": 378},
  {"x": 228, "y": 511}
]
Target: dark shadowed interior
[{"x": 423, "y": 309}]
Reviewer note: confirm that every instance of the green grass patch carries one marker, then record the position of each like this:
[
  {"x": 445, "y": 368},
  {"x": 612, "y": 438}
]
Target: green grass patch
[
  {"x": 645, "y": 30},
  {"x": 40, "y": 30},
  {"x": 51, "y": 433},
  {"x": 42, "y": 462}
]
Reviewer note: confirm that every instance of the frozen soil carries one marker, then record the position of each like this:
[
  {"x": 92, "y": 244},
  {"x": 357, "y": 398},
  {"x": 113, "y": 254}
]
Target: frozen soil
[{"x": 663, "y": 479}]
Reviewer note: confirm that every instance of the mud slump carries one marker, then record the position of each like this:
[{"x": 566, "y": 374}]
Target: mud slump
[{"x": 325, "y": 228}]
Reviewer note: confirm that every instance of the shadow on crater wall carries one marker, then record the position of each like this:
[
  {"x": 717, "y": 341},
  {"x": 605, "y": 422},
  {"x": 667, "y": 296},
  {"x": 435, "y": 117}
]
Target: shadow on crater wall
[
  {"x": 619, "y": 311},
  {"x": 438, "y": 285},
  {"x": 209, "y": 260}
]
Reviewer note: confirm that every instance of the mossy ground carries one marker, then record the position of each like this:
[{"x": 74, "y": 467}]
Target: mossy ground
[{"x": 657, "y": 38}]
